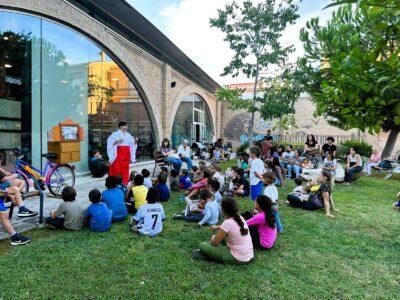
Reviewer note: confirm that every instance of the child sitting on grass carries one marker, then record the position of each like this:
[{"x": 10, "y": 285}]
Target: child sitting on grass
[
  {"x": 184, "y": 180},
  {"x": 70, "y": 209},
  {"x": 97, "y": 214},
  {"x": 216, "y": 171},
  {"x": 262, "y": 223},
  {"x": 193, "y": 191},
  {"x": 207, "y": 216},
  {"x": 162, "y": 188},
  {"x": 239, "y": 246},
  {"x": 299, "y": 186},
  {"x": 174, "y": 180},
  {"x": 121, "y": 185},
  {"x": 149, "y": 217},
  {"x": 146, "y": 180},
  {"x": 136, "y": 197},
  {"x": 240, "y": 186},
  {"x": 194, "y": 174},
  {"x": 396, "y": 205},
  {"x": 272, "y": 193},
  {"x": 130, "y": 182},
  {"x": 214, "y": 185},
  {"x": 16, "y": 238},
  {"x": 114, "y": 199}
]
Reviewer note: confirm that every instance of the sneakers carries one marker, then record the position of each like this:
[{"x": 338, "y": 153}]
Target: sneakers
[
  {"x": 198, "y": 255},
  {"x": 177, "y": 217},
  {"x": 18, "y": 239},
  {"x": 24, "y": 213}
]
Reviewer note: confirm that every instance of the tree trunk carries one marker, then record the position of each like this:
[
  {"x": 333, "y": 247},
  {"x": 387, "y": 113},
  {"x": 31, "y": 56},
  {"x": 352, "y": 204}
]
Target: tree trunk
[
  {"x": 251, "y": 125},
  {"x": 390, "y": 143}
]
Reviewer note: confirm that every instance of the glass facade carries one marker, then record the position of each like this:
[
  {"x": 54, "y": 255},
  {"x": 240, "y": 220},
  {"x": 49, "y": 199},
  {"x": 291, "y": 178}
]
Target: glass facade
[
  {"x": 192, "y": 121},
  {"x": 48, "y": 74}
]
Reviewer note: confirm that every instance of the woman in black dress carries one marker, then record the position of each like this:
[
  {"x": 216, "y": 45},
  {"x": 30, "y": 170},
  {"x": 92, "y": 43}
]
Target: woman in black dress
[{"x": 311, "y": 150}]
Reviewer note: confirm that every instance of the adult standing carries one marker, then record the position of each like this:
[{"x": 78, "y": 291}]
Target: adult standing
[
  {"x": 169, "y": 155},
  {"x": 121, "y": 150},
  {"x": 353, "y": 166},
  {"x": 311, "y": 150},
  {"x": 184, "y": 154}
]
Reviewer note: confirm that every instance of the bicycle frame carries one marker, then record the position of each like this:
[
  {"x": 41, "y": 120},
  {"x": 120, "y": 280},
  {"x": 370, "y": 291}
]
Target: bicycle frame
[{"x": 19, "y": 169}]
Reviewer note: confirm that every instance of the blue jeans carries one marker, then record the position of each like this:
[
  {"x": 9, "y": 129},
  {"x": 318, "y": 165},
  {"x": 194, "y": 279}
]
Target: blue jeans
[
  {"x": 176, "y": 162},
  {"x": 295, "y": 168},
  {"x": 283, "y": 164},
  {"x": 350, "y": 173},
  {"x": 295, "y": 201},
  {"x": 256, "y": 190},
  {"x": 188, "y": 161},
  {"x": 279, "y": 226}
]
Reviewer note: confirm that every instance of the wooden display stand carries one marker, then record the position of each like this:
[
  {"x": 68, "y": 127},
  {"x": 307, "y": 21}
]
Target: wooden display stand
[{"x": 65, "y": 141}]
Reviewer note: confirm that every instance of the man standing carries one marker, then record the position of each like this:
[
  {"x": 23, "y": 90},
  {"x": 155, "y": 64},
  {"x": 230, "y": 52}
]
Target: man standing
[{"x": 121, "y": 150}]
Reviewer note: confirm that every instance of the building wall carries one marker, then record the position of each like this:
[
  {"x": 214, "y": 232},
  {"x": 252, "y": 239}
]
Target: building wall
[{"x": 152, "y": 77}]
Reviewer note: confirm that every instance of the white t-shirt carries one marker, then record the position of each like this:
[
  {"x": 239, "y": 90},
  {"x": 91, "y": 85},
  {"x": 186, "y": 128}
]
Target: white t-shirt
[
  {"x": 147, "y": 182},
  {"x": 221, "y": 179},
  {"x": 298, "y": 189},
  {"x": 288, "y": 155},
  {"x": 272, "y": 192},
  {"x": 184, "y": 152},
  {"x": 256, "y": 166},
  {"x": 150, "y": 217}
]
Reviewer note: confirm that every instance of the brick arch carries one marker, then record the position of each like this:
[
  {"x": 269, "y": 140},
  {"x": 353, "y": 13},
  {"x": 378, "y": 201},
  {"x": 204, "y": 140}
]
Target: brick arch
[
  {"x": 65, "y": 14},
  {"x": 190, "y": 90}
]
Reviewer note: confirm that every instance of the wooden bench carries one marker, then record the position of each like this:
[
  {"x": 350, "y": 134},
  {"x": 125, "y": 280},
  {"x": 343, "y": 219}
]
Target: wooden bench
[{"x": 159, "y": 161}]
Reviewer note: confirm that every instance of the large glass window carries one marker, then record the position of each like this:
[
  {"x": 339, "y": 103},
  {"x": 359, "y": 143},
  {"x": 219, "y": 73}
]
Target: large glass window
[
  {"x": 49, "y": 73},
  {"x": 192, "y": 121}
]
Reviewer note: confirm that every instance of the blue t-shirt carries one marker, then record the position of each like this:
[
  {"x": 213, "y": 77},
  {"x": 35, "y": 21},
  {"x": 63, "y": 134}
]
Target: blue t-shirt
[
  {"x": 123, "y": 188},
  {"x": 100, "y": 217},
  {"x": 149, "y": 218},
  {"x": 185, "y": 182},
  {"x": 114, "y": 198},
  {"x": 211, "y": 213},
  {"x": 163, "y": 191},
  {"x": 218, "y": 197}
]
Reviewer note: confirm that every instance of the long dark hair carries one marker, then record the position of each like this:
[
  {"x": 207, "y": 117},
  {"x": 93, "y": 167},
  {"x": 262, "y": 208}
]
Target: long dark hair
[
  {"x": 229, "y": 207},
  {"x": 312, "y": 137},
  {"x": 265, "y": 204},
  {"x": 166, "y": 140},
  {"x": 328, "y": 177}
]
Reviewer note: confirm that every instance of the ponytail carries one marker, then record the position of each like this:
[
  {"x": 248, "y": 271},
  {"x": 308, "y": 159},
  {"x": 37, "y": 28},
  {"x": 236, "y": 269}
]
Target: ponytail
[{"x": 229, "y": 206}]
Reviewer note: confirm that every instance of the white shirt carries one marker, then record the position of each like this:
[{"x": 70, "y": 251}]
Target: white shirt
[
  {"x": 272, "y": 192},
  {"x": 221, "y": 179},
  {"x": 256, "y": 166},
  {"x": 126, "y": 140},
  {"x": 149, "y": 218},
  {"x": 288, "y": 155},
  {"x": 184, "y": 152}
]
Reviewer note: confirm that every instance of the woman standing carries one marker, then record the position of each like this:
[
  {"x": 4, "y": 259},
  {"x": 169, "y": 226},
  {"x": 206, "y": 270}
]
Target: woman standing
[
  {"x": 354, "y": 166},
  {"x": 311, "y": 150},
  {"x": 318, "y": 199},
  {"x": 169, "y": 155}
]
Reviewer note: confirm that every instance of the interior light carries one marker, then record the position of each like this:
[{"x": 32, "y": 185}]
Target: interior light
[
  {"x": 115, "y": 79},
  {"x": 64, "y": 81},
  {"x": 5, "y": 38},
  {"x": 7, "y": 65}
]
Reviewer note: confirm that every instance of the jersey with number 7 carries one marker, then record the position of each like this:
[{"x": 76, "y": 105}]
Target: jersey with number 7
[{"x": 149, "y": 218}]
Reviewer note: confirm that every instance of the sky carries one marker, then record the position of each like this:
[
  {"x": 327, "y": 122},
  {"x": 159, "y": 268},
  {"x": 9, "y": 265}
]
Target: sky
[{"x": 186, "y": 24}]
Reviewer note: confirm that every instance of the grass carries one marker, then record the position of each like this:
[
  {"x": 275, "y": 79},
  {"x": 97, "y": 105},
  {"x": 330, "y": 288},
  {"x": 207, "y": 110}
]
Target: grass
[{"x": 355, "y": 255}]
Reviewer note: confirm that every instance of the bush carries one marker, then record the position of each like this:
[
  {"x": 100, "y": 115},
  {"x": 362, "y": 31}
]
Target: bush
[
  {"x": 299, "y": 146},
  {"x": 361, "y": 148},
  {"x": 242, "y": 148}
]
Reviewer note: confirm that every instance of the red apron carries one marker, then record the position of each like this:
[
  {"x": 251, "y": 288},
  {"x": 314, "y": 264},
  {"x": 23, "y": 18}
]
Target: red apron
[{"x": 120, "y": 166}]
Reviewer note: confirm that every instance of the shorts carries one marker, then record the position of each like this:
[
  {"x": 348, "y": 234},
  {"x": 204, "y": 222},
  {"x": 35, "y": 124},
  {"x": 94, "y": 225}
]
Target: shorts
[
  {"x": 256, "y": 190},
  {"x": 2, "y": 206},
  {"x": 5, "y": 185}
]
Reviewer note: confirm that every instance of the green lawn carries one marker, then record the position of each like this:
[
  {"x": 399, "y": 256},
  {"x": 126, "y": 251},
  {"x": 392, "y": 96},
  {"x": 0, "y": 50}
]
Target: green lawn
[{"x": 355, "y": 255}]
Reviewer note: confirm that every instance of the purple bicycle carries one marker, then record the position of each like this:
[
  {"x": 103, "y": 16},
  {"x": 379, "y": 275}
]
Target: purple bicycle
[{"x": 55, "y": 176}]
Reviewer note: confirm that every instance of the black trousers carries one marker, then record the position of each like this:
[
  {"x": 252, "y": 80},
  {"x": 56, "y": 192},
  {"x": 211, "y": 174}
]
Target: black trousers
[{"x": 255, "y": 237}]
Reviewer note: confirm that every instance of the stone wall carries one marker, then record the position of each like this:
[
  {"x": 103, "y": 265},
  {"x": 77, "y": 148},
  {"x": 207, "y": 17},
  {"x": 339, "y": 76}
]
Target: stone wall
[{"x": 152, "y": 77}]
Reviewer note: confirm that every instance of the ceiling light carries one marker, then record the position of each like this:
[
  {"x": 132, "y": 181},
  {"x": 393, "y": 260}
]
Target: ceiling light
[
  {"x": 5, "y": 38},
  {"x": 64, "y": 81},
  {"x": 7, "y": 65}
]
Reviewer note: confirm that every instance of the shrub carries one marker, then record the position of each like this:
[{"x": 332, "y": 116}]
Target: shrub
[
  {"x": 295, "y": 146},
  {"x": 242, "y": 148},
  {"x": 361, "y": 148}
]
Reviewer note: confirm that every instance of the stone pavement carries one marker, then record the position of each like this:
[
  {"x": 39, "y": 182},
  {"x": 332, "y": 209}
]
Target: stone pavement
[{"x": 83, "y": 185}]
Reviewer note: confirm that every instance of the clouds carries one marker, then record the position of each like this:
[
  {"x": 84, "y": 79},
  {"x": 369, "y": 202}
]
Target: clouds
[{"x": 186, "y": 23}]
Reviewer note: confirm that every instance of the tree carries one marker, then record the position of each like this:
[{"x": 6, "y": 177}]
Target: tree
[
  {"x": 253, "y": 32},
  {"x": 352, "y": 69}
]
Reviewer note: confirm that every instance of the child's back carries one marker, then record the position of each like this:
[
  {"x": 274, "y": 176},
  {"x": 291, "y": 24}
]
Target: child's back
[
  {"x": 100, "y": 217},
  {"x": 114, "y": 199},
  {"x": 149, "y": 218},
  {"x": 184, "y": 182},
  {"x": 163, "y": 191},
  {"x": 73, "y": 214},
  {"x": 139, "y": 195}
]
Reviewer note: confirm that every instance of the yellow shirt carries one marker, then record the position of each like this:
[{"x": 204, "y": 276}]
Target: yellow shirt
[{"x": 139, "y": 195}]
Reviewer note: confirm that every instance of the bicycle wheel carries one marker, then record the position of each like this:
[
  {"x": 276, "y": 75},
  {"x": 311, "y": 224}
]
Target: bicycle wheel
[{"x": 59, "y": 178}]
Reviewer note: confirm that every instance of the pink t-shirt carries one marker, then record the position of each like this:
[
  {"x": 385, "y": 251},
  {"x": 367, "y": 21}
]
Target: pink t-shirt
[
  {"x": 266, "y": 233},
  {"x": 240, "y": 245},
  {"x": 375, "y": 158}
]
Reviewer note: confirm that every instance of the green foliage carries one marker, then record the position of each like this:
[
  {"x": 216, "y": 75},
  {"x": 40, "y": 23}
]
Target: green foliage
[
  {"x": 253, "y": 31},
  {"x": 352, "y": 70},
  {"x": 362, "y": 148},
  {"x": 242, "y": 148},
  {"x": 296, "y": 146}
]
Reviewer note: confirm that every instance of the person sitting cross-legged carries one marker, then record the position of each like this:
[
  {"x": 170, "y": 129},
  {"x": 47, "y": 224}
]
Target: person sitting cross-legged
[
  {"x": 98, "y": 215},
  {"x": 114, "y": 199}
]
